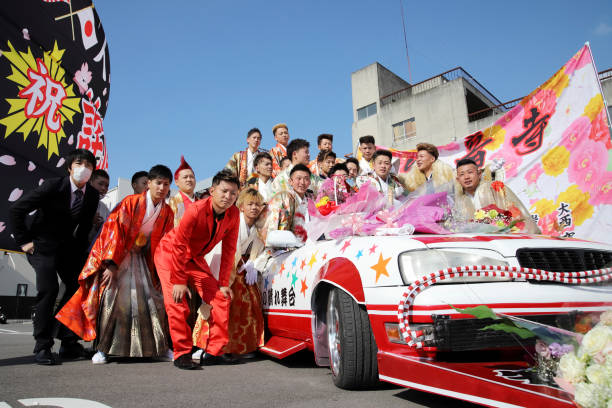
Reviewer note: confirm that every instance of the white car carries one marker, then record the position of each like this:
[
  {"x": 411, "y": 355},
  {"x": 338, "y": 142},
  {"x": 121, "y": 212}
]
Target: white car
[{"x": 362, "y": 306}]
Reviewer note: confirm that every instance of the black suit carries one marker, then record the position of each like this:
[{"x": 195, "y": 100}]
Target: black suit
[{"x": 60, "y": 248}]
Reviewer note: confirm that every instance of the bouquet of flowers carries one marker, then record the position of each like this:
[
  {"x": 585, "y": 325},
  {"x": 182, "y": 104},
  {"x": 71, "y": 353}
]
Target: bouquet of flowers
[
  {"x": 586, "y": 373},
  {"x": 579, "y": 364},
  {"x": 493, "y": 215},
  {"x": 333, "y": 192},
  {"x": 325, "y": 205}
]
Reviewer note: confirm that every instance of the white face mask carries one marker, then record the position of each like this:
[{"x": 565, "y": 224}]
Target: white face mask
[{"x": 81, "y": 174}]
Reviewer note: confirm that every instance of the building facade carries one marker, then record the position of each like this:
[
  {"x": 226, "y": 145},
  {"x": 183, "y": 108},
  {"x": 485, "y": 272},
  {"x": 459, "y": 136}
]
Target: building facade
[{"x": 439, "y": 110}]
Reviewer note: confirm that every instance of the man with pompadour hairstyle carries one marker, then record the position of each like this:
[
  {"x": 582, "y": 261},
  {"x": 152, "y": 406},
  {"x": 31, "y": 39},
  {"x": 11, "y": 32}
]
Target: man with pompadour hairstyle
[
  {"x": 281, "y": 135},
  {"x": 184, "y": 178},
  {"x": 428, "y": 173}
]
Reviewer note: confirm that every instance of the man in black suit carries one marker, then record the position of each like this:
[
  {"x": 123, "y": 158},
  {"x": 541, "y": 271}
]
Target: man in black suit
[{"x": 56, "y": 244}]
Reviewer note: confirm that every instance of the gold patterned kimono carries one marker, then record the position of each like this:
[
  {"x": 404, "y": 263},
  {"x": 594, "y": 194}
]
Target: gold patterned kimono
[
  {"x": 414, "y": 179},
  {"x": 179, "y": 203},
  {"x": 238, "y": 165},
  {"x": 286, "y": 211},
  {"x": 496, "y": 193}
]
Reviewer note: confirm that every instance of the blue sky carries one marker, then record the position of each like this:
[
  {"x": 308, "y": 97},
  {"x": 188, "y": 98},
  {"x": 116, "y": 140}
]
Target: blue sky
[{"x": 192, "y": 77}]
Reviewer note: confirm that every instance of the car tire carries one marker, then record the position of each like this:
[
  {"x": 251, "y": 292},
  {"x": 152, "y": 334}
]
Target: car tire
[{"x": 352, "y": 348}]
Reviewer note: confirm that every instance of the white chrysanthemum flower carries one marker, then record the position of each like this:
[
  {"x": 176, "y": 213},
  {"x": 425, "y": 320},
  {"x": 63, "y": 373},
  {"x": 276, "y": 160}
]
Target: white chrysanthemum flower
[
  {"x": 596, "y": 340},
  {"x": 606, "y": 318},
  {"x": 598, "y": 374},
  {"x": 590, "y": 396},
  {"x": 572, "y": 368}
]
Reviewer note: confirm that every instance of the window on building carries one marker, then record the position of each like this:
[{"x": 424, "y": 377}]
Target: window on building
[
  {"x": 404, "y": 130},
  {"x": 366, "y": 111}
]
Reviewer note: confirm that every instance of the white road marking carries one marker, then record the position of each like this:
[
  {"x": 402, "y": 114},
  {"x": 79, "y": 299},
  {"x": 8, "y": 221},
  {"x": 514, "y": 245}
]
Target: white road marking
[
  {"x": 8, "y": 331},
  {"x": 63, "y": 403}
]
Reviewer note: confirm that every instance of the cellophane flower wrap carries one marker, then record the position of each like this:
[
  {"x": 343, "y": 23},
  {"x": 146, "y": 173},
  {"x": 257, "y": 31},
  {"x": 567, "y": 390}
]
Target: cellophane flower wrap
[
  {"x": 333, "y": 192},
  {"x": 586, "y": 371},
  {"x": 368, "y": 213}
]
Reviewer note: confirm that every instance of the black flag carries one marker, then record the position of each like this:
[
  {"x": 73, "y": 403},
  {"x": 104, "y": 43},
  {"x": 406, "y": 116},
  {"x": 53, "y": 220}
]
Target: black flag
[{"x": 54, "y": 88}]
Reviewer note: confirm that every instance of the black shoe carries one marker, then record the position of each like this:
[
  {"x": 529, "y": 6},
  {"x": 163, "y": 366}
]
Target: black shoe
[
  {"x": 223, "y": 359},
  {"x": 184, "y": 363},
  {"x": 73, "y": 351},
  {"x": 45, "y": 357}
]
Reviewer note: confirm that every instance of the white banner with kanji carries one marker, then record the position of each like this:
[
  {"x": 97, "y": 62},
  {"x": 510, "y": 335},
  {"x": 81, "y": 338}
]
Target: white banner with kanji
[{"x": 557, "y": 152}]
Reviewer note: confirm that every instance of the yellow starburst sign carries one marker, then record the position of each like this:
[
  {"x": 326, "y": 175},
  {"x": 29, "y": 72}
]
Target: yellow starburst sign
[{"x": 43, "y": 100}]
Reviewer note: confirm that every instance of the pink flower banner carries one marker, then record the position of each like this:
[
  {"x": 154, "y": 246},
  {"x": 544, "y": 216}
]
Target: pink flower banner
[{"x": 556, "y": 151}]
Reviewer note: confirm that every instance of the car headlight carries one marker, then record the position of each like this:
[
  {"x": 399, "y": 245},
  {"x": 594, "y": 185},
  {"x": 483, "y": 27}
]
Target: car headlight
[{"x": 415, "y": 264}]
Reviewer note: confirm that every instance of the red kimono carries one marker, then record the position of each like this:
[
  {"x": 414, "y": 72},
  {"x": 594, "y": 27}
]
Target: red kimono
[
  {"x": 180, "y": 259},
  {"x": 118, "y": 237}
]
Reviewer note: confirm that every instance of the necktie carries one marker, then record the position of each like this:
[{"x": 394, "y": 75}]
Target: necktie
[{"x": 77, "y": 204}]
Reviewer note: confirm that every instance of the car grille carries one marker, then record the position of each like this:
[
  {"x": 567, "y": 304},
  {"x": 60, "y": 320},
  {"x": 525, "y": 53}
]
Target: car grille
[
  {"x": 468, "y": 334},
  {"x": 563, "y": 260}
]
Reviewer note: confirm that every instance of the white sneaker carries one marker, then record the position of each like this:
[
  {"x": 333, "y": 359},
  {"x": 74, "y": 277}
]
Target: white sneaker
[
  {"x": 99, "y": 358},
  {"x": 167, "y": 356},
  {"x": 196, "y": 356}
]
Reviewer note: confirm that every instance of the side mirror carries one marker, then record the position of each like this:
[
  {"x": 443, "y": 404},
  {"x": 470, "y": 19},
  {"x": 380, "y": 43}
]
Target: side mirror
[{"x": 282, "y": 239}]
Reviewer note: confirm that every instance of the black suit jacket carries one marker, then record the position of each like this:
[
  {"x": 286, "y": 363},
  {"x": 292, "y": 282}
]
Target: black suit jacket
[{"x": 53, "y": 226}]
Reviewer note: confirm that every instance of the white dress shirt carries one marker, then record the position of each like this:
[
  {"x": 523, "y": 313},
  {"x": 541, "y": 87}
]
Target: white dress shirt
[
  {"x": 265, "y": 188},
  {"x": 250, "y": 160}
]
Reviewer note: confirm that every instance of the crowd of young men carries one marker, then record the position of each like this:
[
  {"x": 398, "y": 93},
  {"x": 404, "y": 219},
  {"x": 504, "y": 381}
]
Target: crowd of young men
[{"x": 136, "y": 277}]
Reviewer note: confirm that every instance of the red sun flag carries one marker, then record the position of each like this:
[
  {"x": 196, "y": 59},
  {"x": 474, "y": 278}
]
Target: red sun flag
[{"x": 86, "y": 18}]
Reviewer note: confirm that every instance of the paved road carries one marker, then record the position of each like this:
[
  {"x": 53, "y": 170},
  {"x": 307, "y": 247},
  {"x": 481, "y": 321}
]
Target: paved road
[{"x": 262, "y": 382}]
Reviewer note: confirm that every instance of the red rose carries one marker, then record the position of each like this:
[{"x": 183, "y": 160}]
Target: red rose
[{"x": 497, "y": 185}]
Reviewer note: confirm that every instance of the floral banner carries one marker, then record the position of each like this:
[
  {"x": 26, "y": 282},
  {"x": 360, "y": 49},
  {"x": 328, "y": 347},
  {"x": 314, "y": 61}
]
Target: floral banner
[{"x": 556, "y": 149}]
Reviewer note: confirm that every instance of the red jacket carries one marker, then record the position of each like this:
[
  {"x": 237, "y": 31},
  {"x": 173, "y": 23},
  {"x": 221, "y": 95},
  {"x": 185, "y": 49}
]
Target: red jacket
[{"x": 191, "y": 240}]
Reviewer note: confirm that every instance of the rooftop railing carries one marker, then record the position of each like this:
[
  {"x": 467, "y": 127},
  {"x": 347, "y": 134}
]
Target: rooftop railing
[
  {"x": 436, "y": 81},
  {"x": 459, "y": 72},
  {"x": 506, "y": 106}
]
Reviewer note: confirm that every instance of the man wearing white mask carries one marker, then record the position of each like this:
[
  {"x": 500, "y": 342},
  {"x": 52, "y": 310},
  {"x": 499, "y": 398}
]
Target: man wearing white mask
[{"x": 56, "y": 244}]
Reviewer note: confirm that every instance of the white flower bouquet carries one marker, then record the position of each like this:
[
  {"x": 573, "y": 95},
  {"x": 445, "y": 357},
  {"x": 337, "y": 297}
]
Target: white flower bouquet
[{"x": 586, "y": 372}]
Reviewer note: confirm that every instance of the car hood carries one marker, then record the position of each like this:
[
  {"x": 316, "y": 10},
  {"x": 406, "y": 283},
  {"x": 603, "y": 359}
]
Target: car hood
[{"x": 506, "y": 244}]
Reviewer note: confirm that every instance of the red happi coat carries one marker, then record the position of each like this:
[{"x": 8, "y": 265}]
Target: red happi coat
[{"x": 116, "y": 240}]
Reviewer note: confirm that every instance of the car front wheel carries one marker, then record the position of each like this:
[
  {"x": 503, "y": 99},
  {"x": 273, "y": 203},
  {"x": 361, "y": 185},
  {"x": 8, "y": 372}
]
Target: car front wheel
[{"x": 352, "y": 348}]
